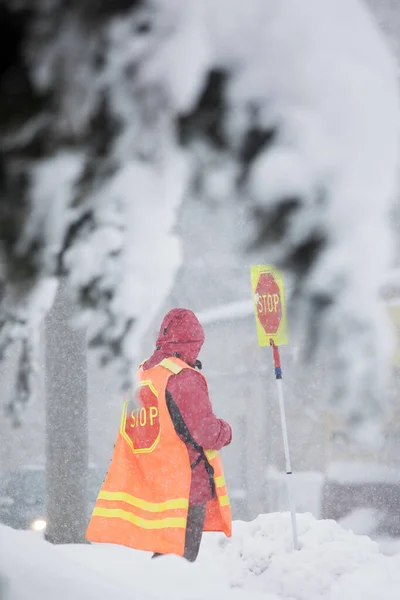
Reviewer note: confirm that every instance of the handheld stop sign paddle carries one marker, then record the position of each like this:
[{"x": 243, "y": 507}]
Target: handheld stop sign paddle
[{"x": 272, "y": 330}]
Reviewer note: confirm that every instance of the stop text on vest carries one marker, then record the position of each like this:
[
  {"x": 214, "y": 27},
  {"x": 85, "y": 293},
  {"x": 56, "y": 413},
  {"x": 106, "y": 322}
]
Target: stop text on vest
[
  {"x": 144, "y": 416},
  {"x": 267, "y": 303}
]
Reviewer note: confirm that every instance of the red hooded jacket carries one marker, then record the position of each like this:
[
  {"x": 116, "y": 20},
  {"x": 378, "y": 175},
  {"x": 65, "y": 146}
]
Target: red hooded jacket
[{"x": 182, "y": 334}]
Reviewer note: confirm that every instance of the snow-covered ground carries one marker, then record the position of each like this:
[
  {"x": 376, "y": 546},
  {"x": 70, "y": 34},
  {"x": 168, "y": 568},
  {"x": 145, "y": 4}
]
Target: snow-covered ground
[{"x": 257, "y": 562}]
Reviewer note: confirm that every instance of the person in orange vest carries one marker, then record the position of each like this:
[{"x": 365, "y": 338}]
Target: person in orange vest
[{"x": 165, "y": 484}]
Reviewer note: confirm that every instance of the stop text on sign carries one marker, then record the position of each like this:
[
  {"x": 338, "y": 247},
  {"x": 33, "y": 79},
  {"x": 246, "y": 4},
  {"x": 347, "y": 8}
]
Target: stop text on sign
[
  {"x": 267, "y": 302},
  {"x": 143, "y": 416}
]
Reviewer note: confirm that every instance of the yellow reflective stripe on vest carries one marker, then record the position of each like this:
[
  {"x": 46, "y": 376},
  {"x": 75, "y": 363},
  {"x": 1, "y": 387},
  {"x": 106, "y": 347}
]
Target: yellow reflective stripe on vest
[
  {"x": 118, "y": 513},
  {"x": 143, "y": 504},
  {"x": 220, "y": 481},
  {"x": 223, "y": 500},
  {"x": 211, "y": 454},
  {"x": 171, "y": 366}
]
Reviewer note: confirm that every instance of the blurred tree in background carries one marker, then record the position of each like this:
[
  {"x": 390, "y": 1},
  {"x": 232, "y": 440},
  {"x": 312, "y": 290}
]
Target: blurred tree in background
[{"x": 110, "y": 112}]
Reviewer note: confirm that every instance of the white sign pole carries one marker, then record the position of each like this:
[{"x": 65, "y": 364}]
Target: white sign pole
[{"x": 278, "y": 375}]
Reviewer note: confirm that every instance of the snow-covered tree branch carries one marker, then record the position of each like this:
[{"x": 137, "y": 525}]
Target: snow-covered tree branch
[{"x": 288, "y": 111}]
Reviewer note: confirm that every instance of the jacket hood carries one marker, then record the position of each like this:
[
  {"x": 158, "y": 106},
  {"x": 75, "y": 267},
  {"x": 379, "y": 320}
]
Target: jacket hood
[{"x": 181, "y": 333}]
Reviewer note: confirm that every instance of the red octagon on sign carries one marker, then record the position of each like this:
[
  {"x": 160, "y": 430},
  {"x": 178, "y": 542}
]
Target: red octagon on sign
[{"x": 269, "y": 306}]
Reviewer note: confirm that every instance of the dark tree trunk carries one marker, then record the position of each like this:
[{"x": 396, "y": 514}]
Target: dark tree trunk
[{"x": 66, "y": 426}]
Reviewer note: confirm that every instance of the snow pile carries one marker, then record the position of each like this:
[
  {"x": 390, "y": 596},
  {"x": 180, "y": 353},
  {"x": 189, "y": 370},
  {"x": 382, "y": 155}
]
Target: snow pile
[
  {"x": 31, "y": 568},
  {"x": 171, "y": 578},
  {"x": 260, "y": 558},
  {"x": 257, "y": 562}
]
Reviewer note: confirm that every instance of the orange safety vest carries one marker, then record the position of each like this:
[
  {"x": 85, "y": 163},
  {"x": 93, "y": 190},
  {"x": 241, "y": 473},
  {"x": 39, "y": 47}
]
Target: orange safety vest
[{"x": 143, "y": 502}]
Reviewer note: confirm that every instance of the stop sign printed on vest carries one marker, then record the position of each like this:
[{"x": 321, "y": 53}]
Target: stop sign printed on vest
[{"x": 140, "y": 425}]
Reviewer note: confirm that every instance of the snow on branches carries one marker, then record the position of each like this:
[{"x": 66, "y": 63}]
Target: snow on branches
[{"x": 123, "y": 106}]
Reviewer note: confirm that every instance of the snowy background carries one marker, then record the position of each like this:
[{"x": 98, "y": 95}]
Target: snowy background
[
  {"x": 166, "y": 146},
  {"x": 295, "y": 128}
]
